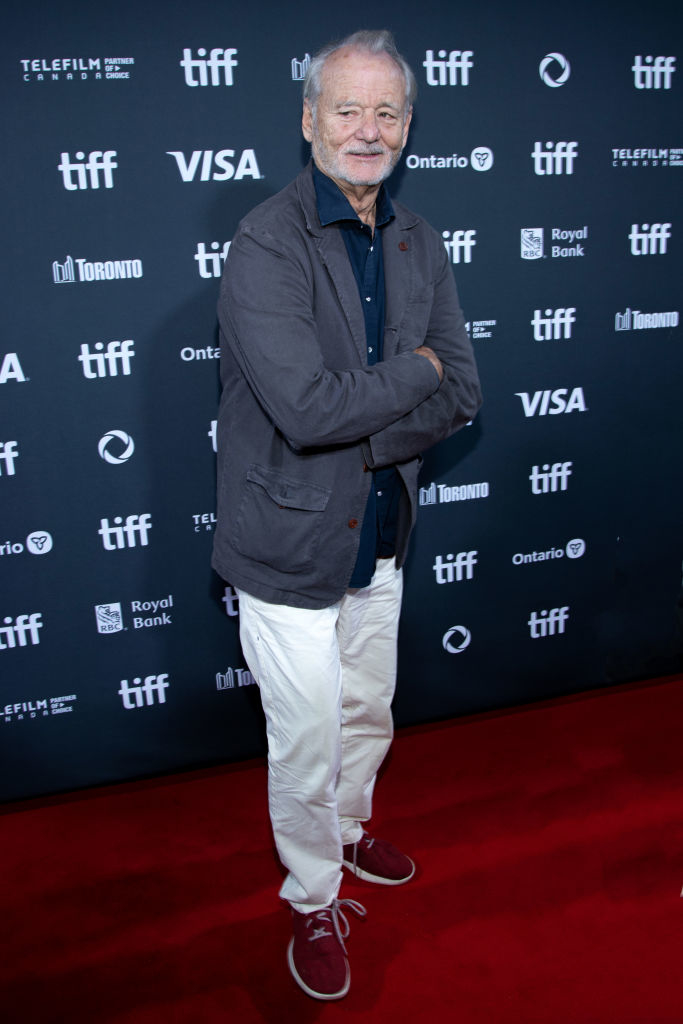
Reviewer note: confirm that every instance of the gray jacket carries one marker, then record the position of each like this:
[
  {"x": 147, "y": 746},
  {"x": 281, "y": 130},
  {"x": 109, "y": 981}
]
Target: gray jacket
[{"x": 302, "y": 417}]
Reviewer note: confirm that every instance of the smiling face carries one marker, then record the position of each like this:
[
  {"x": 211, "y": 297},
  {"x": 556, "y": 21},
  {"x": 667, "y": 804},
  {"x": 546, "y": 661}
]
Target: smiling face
[{"x": 360, "y": 124}]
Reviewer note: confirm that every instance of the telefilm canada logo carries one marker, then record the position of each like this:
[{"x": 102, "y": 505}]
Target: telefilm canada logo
[
  {"x": 72, "y": 270},
  {"x": 567, "y": 243},
  {"x": 39, "y": 707},
  {"x": 479, "y": 330},
  {"x": 644, "y": 157},
  {"x": 480, "y": 159},
  {"x": 76, "y": 69},
  {"x": 636, "y": 320}
]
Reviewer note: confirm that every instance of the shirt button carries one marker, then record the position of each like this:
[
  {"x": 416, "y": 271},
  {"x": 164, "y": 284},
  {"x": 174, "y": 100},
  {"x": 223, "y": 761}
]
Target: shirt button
[
  {"x": 370, "y": 349},
  {"x": 353, "y": 523},
  {"x": 368, "y": 299},
  {"x": 379, "y": 494}
]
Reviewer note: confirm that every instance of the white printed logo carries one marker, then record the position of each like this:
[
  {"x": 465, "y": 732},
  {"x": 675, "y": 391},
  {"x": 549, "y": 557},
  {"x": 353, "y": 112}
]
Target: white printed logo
[
  {"x": 456, "y": 639},
  {"x": 139, "y": 694},
  {"x": 455, "y": 568},
  {"x": 226, "y": 680},
  {"x": 231, "y": 602},
  {"x": 20, "y": 631},
  {"x": 633, "y": 319},
  {"x": 101, "y": 270},
  {"x": 532, "y": 243},
  {"x": 37, "y": 543},
  {"x": 548, "y": 623},
  {"x": 575, "y": 548},
  {"x": 480, "y": 159},
  {"x": 10, "y": 369},
  {"x": 651, "y": 75},
  {"x": 101, "y": 363},
  {"x": 109, "y": 618},
  {"x": 552, "y": 403},
  {"x": 459, "y": 243},
  {"x": 210, "y": 264},
  {"x": 300, "y": 68},
  {"x": 450, "y": 68},
  {"x": 96, "y": 161},
  {"x": 550, "y": 479},
  {"x": 216, "y": 70},
  {"x": 442, "y": 493},
  {"x": 216, "y": 166},
  {"x": 122, "y": 535},
  {"x": 554, "y": 70},
  {"x": 554, "y": 157},
  {"x": 107, "y": 447},
  {"x": 9, "y": 453},
  {"x": 556, "y": 324},
  {"x": 649, "y": 239}
]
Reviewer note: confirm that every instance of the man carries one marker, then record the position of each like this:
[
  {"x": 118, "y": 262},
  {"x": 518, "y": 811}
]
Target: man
[{"x": 343, "y": 355}]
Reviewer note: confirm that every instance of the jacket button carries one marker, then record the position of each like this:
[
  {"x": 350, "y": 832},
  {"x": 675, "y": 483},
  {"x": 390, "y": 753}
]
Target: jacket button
[
  {"x": 353, "y": 523},
  {"x": 403, "y": 246}
]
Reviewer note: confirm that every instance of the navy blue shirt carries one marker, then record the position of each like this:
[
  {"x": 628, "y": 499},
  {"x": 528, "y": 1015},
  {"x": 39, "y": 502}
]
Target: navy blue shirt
[{"x": 378, "y": 532}]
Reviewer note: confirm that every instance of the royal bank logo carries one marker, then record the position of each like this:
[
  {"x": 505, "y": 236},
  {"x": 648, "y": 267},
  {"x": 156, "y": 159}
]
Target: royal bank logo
[
  {"x": 210, "y": 261},
  {"x": 11, "y": 370},
  {"x": 573, "y": 549},
  {"x": 106, "y": 362},
  {"x": 70, "y": 69},
  {"x": 126, "y": 533},
  {"x": 9, "y": 453},
  {"x": 109, "y": 618},
  {"x": 532, "y": 243},
  {"x": 480, "y": 159},
  {"x": 456, "y": 639},
  {"x": 552, "y": 402},
  {"x": 455, "y": 568},
  {"x": 448, "y": 67},
  {"x": 300, "y": 68},
  {"x": 23, "y": 631},
  {"x": 72, "y": 271},
  {"x": 647, "y": 157},
  {"x": 459, "y": 245},
  {"x": 87, "y": 170},
  {"x": 554, "y": 70},
  {"x": 39, "y": 542},
  {"x": 653, "y": 72},
  {"x": 635, "y": 320},
  {"x": 548, "y": 622},
  {"x": 549, "y": 479},
  {"x": 554, "y": 157},
  {"x": 443, "y": 494},
  {"x": 649, "y": 239},
  {"x": 216, "y": 165},
  {"x": 216, "y": 69},
  {"x": 556, "y": 324},
  {"x": 140, "y": 693},
  {"x": 147, "y": 614},
  {"x": 233, "y": 678},
  {"x": 115, "y": 447}
]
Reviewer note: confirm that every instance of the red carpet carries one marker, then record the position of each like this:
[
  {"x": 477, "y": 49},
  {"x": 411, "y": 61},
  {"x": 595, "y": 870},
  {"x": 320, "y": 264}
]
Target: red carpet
[{"x": 549, "y": 841}]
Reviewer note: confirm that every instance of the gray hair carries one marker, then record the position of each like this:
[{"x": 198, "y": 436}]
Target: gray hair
[{"x": 370, "y": 41}]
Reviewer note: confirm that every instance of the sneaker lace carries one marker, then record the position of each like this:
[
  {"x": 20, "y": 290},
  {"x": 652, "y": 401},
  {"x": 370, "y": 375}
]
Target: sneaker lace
[
  {"x": 366, "y": 841},
  {"x": 335, "y": 916}
]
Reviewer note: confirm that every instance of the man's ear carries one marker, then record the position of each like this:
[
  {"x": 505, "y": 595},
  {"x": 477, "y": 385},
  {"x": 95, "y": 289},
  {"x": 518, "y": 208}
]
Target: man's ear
[{"x": 307, "y": 122}]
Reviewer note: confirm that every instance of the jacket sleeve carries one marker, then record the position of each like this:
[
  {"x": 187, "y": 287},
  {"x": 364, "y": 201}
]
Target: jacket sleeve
[
  {"x": 266, "y": 313},
  {"x": 458, "y": 398}
]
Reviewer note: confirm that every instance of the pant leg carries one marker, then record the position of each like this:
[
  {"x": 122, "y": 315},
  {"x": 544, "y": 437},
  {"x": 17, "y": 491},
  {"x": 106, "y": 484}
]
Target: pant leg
[
  {"x": 293, "y": 655},
  {"x": 367, "y": 631}
]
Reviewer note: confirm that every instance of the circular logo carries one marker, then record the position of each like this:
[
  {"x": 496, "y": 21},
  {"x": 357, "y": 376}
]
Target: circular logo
[
  {"x": 456, "y": 639},
  {"x": 575, "y": 548},
  {"x": 552, "y": 75},
  {"x": 109, "y": 447},
  {"x": 481, "y": 158},
  {"x": 39, "y": 542}
]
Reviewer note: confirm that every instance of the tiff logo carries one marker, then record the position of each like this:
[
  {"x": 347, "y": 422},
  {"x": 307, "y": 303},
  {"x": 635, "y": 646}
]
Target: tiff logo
[
  {"x": 653, "y": 76},
  {"x": 122, "y": 535},
  {"x": 556, "y": 324},
  {"x": 558, "y": 158},
  {"x": 210, "y": 264},
  {"x": 139, "y": 693},
  {"x": 218, "y": 67},
  {"x": 226, "y": 680},
  {"x": 8, "y": 454},
  {"x": 456, "y": 567},
  {"x": 101, "y": 363},
  {"x": 548, "y": 623},
  {"x": 19, "y": 633},
  {"x": 551, "y": 478},
  {"x": 649, "y": 239},
  {"x": 450, "y": 69},
  {"x": 231, "y": 601},
  {"x": 459, "y": 243},
  {"x": 97, "y": 161}
]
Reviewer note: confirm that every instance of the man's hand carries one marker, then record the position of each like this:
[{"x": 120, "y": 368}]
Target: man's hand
[{"x": 427, "y": 352}]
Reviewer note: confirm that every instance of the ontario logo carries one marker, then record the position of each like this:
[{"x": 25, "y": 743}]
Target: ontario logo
[{"x": 480, "y": 159}]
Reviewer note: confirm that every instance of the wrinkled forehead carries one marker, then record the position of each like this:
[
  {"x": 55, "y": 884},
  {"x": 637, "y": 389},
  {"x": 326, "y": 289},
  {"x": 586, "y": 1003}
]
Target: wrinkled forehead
[{"x": 349, "y": 74}]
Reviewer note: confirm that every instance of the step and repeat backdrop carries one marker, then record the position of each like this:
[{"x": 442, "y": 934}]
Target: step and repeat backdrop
[{"x": 547, "y": 148}]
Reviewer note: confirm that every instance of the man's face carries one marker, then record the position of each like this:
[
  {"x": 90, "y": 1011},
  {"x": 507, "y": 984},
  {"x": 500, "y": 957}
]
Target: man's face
[{"x": 359, "y": 128}]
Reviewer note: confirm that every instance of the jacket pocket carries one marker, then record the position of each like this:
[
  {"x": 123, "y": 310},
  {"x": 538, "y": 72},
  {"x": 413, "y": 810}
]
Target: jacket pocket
[{"x": 279, "y": 519}]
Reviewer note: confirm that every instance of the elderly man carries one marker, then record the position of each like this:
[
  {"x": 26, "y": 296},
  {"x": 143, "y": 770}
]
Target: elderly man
[{"x": 343, "y": 355}]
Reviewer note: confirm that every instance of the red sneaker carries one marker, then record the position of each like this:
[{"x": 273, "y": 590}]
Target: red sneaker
[
  {"x": 316, "y": 953},
  {"x": 376, "y": 860}
]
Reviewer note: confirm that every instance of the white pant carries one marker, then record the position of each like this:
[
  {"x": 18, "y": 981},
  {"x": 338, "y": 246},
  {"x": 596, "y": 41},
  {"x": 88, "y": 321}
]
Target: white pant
[{"x": 327, "y": 679}]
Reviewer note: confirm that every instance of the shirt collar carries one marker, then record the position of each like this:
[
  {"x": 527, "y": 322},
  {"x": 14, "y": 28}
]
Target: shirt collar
[{"x": 333, "y": 205}]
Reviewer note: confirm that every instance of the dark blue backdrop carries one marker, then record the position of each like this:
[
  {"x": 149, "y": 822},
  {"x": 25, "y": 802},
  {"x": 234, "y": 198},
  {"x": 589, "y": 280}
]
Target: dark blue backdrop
[{"x": 546, "y": 146}]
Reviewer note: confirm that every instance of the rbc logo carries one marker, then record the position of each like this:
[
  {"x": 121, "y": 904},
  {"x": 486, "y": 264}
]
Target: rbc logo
[
  {"x": 97, "y": 161},
  {"x": 558, "y": 158},
  {"x": 653, "y": 76},
  {"x": 218, "y": 66},
  {"x": 556, "y": 324},
  {"x": 649, "y": 239}
]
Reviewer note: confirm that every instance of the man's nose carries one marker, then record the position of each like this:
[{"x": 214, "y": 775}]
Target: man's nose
[{"x": 368, "y": 128}]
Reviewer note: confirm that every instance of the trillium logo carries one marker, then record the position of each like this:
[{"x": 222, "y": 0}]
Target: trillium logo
[
  {"x": 456, "y": 639},
  {"x": 109, "y": 447},
  {"x": 554, "y": 70}
]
